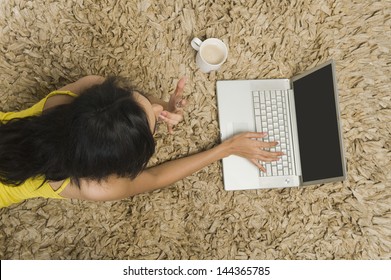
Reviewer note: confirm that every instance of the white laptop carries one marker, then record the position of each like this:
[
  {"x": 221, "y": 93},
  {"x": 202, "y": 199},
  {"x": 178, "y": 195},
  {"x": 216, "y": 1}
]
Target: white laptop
[{"x": 300, "y": 113}]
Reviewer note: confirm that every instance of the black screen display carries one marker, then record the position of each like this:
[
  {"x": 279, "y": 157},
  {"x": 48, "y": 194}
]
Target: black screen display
[{"x": 317, "y": 123}]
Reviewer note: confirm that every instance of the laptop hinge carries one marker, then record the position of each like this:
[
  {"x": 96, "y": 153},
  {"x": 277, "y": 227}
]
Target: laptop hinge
[{"x": 295, "y": 136}]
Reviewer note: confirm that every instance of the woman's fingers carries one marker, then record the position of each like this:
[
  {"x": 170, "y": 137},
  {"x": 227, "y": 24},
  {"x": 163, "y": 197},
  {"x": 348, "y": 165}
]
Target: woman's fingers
[
  {"x": 257, "y": 164},
  {"x": 180, "y": 104},
  {"x": 268, "y": 157},
  {"x": 174, "y": 114},
  {"x": 265, "y": 157},
  {"x": 253, "y": 135},
  {"x": 176, "y": 99},
  {"x": 249, "y": 145},
  {"x": 171, "y": 118},
  {"x": 179, "y": 88}
]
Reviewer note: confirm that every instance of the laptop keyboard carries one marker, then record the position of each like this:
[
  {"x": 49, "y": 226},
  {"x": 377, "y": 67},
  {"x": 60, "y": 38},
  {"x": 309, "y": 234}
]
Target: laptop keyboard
[{"x": 270, "y": 108}]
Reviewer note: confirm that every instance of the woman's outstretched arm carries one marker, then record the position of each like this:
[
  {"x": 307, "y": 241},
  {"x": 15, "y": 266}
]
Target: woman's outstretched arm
[{"x": 246, "y": 145}]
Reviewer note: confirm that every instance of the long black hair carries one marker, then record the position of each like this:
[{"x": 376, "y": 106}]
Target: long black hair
[{"x": 102, "y": 132}]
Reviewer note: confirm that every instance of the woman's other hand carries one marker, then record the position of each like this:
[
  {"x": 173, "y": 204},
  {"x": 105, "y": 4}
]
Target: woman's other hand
[{"x": 174, "y": 113}]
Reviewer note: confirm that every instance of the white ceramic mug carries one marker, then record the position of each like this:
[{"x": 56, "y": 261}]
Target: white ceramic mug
[{"x": 212, "y": 53}]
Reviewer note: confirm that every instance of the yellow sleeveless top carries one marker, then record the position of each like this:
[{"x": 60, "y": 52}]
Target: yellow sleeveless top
[{"x": 33, "y": 187}]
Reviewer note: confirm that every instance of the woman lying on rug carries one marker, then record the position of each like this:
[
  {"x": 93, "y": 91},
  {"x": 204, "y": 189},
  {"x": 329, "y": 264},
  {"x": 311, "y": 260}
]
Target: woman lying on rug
[{"x": 92, "y": 140}]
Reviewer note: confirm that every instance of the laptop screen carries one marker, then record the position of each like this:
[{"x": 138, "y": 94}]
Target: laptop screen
[{"x": 318, "y": 129}]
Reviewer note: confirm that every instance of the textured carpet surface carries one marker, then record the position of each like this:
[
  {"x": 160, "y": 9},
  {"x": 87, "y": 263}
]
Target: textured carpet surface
[{"x": 46, "y": 44}]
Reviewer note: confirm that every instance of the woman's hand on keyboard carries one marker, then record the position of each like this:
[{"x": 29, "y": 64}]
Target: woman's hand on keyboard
[{"x": 249, "y": 145}]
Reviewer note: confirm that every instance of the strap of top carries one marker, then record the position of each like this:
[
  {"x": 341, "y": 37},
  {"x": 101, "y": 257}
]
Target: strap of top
[{"x": 63, "y": 185}]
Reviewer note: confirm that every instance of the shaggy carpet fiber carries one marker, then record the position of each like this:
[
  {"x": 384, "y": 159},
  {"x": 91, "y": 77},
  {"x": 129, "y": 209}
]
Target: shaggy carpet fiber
[{"x": 45, "y": 44}]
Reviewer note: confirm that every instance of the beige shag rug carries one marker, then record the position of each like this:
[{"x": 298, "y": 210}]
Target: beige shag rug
[{"x": 45, "y": 44}]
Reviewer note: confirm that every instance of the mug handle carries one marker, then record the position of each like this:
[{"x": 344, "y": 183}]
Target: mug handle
[{"x": 196, "y": 43}]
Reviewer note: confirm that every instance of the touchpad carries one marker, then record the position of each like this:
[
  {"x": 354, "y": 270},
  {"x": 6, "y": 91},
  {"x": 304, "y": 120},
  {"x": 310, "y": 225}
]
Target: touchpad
[
  {"x": 239, "y": 127},
  {"x": 233, "y": 128}
]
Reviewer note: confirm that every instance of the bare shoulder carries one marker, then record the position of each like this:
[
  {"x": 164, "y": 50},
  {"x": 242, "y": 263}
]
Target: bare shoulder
[
  {"x": 84, "y": 83},
  {"x": 76, "y": 87},
  {"x": 112, "y": 188},
  {"x": 56, "y": 100}
]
